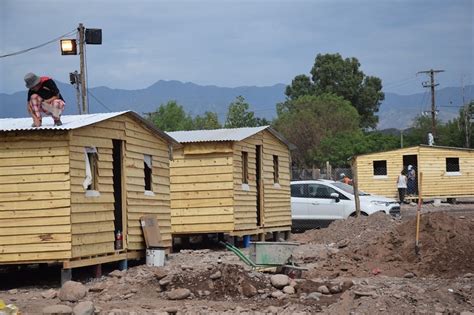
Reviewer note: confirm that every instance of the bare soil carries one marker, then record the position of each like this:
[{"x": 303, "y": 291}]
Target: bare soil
[{"x": 369, "y": 263}]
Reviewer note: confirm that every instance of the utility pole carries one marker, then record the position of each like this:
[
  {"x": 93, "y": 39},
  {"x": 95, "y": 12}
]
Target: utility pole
[
  {"x": 432, "y": 85},
  {"x": 81, "y": 29}
]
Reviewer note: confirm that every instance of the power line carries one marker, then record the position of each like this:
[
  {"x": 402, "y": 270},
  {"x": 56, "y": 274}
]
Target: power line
[
  {"x": 432, "y": 85},
  {"x": 98, "y": 101},
  {"x": 38, "y": 46}
]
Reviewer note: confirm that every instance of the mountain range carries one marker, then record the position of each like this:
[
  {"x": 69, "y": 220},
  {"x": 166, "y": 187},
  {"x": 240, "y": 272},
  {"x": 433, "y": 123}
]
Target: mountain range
[{"x": 396, "y": 111}]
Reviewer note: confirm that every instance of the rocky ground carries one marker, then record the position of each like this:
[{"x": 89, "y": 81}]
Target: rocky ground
[{"x": 357, "y": 266}]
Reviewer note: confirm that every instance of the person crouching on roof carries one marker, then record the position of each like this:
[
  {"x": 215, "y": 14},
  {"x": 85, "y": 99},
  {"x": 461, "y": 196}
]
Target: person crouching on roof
[{"x": 43, "y": 97}]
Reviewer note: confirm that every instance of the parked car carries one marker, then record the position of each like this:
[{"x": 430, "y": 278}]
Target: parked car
[{"x": 316, "y": 203}]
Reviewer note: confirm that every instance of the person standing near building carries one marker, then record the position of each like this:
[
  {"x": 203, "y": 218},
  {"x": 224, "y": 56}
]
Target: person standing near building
[
  {"x": 402, "y": 186},
  {"x": 43, "y": 97},
  {"x": 411, "y": 183}
]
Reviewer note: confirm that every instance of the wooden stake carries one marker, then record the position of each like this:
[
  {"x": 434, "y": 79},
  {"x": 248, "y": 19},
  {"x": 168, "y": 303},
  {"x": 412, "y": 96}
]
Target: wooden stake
[
  {"x": 418, "y": 216},
  {"x": 355, "y": 185}
]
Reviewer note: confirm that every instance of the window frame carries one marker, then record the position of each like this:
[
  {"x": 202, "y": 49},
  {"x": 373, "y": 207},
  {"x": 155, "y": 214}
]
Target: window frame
[
  {"x": 374, "y": 168},
  {"x": 453, "y": 173},
  {"x": 276, "y": 169},
  {"x": 91, "y": 160},
  {"x": 245, "y": 167},
  {"x": 148, "y": 175}
]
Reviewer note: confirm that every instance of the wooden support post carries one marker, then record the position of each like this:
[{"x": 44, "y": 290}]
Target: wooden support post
[
  {"x": 261, "y": 237},
  {"x": 287, "y": 235},
  {"x": 97, "y": 270},
  {"x": 235, "y": 240},
  {"x": 355, "y": 184},
  {"x": 66, "y": 275},
  {"x": 418, "y": 217}
]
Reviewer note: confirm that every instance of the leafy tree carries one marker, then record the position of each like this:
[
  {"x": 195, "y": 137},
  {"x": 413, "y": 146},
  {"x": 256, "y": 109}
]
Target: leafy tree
[
  {"x": 239, "y": 115},
  {"x": 170, "y": 117},
  {"x": 208, "y": 121},
  {"x": 333, "y": 74},
  {"x": 307, "y": 120}
]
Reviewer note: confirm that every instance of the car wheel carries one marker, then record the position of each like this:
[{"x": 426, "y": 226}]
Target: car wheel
[{"x": 362, "y": 213}]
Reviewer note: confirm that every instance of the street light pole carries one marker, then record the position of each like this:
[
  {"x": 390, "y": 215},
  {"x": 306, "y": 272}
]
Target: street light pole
[{"x": 81, "y": 29}]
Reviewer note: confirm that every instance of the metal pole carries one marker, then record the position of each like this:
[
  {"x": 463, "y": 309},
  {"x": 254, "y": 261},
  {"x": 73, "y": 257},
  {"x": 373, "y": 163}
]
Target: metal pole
[
  {"x": 78, "y": 92},
  {"x": 81, "y": 29}
]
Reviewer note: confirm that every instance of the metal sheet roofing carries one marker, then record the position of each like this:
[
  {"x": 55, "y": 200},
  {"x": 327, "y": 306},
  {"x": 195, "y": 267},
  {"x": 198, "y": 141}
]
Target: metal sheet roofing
[
  {"x": 230, "y": 134},
  {"x": 71, "y": 122}
]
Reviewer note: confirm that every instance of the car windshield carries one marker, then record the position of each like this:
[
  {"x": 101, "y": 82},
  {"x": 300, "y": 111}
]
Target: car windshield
[{"x": 348, "y": 188}]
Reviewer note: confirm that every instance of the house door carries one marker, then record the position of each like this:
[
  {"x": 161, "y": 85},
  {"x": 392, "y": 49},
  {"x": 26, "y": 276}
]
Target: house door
[
  {"x": 117, "y": 154},
  {"x": 258, "y": 175},
  {"x": 413, "y": 161}
]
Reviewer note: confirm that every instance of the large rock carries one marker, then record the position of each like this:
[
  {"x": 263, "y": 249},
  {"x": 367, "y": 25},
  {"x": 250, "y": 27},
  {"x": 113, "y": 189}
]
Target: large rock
[
  {"x": 116, "y": 274},
  {"x": 216, "y": 275},
  {"x": 57, "y": 309},
  {"x": 280, "y": 281},
  {"x": 160, "y": 272},
  {"x": 84, "y": 308},
  {"x": 178, "y": 294},
  {"x": 248, "y": 290},
  {"x": 72, "y": 291},
  {"x": 166, "y": 280},
  {"x": 289, "y": 289},
  {"x": 323, "y": 289}
]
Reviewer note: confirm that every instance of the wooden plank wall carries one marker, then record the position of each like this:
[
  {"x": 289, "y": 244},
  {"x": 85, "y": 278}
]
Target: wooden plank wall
[
  {"x": 93, "y": 217},
  {"x": 384, "y": 186},
  {"x": 140, "y": 141},
  {"x": 202, "y": 189},
  {"x": 34, "y": 197},
  {"x": 277, "y": 197},
  {"x": 245, "y": 201},
  {"x": 436, "y": 183}
]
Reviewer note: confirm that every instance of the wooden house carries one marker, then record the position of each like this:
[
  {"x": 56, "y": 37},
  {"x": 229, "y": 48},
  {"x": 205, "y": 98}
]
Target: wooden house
[
  {"x": 447, "y": 172},
  {"x": 65, "y": 191},
  {"x": 231, "y": 181}
]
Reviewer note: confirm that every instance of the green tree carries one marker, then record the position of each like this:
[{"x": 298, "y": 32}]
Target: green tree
[
  {"x": 208, "y": 121},
  {"x": 309, "y": 119},
  {"x": 333, "y": 74},
  {"x": 170, "y": 117},
  {"x": 239, "y": 115}
]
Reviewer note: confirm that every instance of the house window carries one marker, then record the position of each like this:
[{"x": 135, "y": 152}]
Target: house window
[
  {"x": 452, "y": 165},
  {"x": 91, "y": 182},
  {"x": 276, "y": 171},
  {"x": 245, "y": 167},
  {"x": 380, "y": 168},
  {"x": 147, "y": 166}
]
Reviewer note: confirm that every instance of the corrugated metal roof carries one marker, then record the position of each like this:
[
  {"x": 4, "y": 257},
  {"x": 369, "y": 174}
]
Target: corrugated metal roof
[
  {"x": 230, "y": 134},
  {"x": 69, "y": 122}
]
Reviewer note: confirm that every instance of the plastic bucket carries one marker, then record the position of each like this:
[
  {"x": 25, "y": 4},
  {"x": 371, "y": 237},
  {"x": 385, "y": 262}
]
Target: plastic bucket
[{"x": 155, "y": 257}]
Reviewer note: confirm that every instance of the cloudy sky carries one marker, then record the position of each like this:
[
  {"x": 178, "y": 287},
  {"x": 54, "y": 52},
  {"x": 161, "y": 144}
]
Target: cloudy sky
[{"x": 235, "y": 43}]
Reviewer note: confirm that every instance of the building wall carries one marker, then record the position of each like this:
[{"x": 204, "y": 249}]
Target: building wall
[
  {"x": 431, "y": 162},
  {"x": 92, "y": 218},
  {"x": 276, "y": 207},
  {"x": 34, "y": 197},
  {"x": 245, "y": 196},
  {"x": 438, "y": 183},
  {"x": 277, "y": 197},
  {"x": 201, "y": 188},
  {"x": 382, "y": 185}
]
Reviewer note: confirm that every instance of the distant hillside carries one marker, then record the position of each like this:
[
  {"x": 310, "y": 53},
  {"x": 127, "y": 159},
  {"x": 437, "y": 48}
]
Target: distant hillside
[{"x": 397, "y": 111}]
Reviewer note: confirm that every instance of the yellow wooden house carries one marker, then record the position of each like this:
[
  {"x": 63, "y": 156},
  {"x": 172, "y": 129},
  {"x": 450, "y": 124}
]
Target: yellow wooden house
[
  {"x": 65, "y": 191},
  {"x": 448, "y": 172},
  {"x": 231, "y": 181}
]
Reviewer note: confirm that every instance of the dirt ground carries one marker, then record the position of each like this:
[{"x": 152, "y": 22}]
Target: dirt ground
[{"x": 357, "y": 266}]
